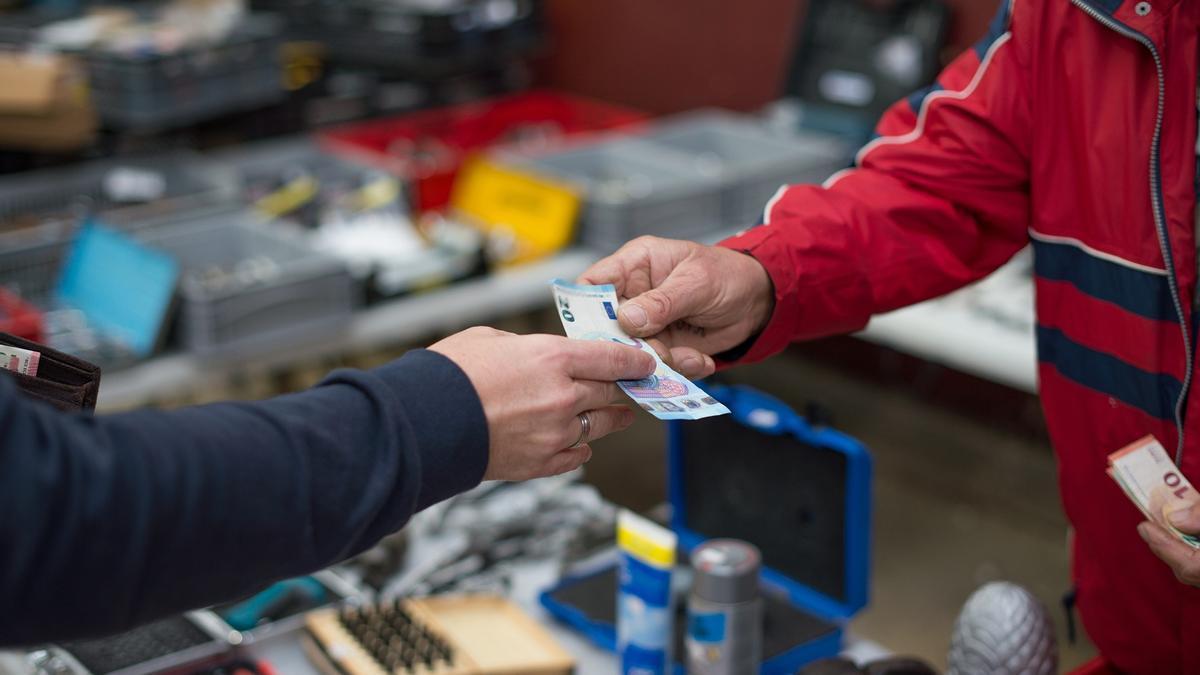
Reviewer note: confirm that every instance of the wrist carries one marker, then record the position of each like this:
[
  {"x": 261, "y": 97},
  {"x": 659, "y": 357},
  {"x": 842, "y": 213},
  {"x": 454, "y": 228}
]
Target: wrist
[{"x": 761, "y": 293}]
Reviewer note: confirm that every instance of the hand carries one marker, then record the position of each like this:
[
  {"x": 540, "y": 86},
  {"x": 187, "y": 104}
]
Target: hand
[
  {"x": 698, "y": 300},
  {"x": 533, "y": 389},
  {"x": 1183, "y": 559}
]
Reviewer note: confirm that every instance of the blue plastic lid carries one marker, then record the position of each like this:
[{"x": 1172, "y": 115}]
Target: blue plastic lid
[
  {"x": 801, "y": 494},
  {"x": 123, "y": 287}
]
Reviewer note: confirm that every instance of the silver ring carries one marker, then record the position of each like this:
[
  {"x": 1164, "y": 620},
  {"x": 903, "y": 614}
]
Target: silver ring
[{"x": 585, "y": 429}]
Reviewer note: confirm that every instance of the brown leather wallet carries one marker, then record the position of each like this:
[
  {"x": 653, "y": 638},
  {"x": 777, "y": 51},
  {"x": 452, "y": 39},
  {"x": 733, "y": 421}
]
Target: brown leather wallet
[{"x": 63, "y": 381}]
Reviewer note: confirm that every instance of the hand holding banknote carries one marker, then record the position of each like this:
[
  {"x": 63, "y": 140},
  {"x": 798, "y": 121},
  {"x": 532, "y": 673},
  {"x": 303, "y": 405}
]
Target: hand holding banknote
[
  {"x": 589, "y": 313},
  {"x": 1148, "y": 476},
  {"x": 538, "y": 392},
  {"x": 1183, "y": 559},
  {"x": 698, "y": 300}
]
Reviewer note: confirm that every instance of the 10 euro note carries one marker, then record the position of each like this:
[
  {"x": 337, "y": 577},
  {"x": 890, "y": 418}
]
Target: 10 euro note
[
  {"x": 1151, "y": 480},
  {"x": 590, "y": 313}
]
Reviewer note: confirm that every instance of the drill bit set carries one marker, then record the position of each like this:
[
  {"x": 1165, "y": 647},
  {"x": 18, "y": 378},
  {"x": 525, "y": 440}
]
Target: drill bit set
[{"x": 463, "y": 635}]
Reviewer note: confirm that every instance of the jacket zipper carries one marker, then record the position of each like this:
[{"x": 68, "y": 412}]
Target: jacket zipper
[{"x": 1160, "y": 224}]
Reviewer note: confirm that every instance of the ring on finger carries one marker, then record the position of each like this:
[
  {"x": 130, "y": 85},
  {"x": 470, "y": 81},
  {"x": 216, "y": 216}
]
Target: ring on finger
[{"x": 585, "y": 429}]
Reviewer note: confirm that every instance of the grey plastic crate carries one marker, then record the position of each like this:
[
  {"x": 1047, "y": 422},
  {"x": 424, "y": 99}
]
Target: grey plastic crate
[
  {"x": 248, "y": 283},
  {"x": 150, "y": 92},
  {"x": 64, "y": 194},
  {"x": 633, "y": 188},
  {"x": 262, "y": 164},
  {"x": 40, "y": 210},
  {"x": 29, "y": 264},
  {"x": 751, "y": 162}
]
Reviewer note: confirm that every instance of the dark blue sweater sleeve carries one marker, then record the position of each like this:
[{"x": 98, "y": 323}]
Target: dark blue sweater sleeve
[{"x": 110, "y": 521}]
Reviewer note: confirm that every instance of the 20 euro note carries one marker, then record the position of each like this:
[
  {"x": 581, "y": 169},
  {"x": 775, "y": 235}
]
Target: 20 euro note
[
  {"x": 590, "y": 313},
  {"x": 1151, "y": 480}
]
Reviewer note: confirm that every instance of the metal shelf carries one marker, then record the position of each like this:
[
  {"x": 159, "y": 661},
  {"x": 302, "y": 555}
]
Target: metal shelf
[{"x": 944, "y": 331}]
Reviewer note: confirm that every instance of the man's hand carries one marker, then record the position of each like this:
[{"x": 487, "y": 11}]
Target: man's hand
[
  {"x": 1183, "y": 559},
  {"x": 533, "y": 389},
  {"x": 698, "y": 300}
]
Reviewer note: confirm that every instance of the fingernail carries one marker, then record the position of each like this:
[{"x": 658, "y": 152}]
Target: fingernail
[
  {"x": 1180, "y": 516},
  {"x": 1143, "y": 530},
  {"x": 691, "y": 364},
  {"x": 709, "y": 365},
  {"x": 635, "y": 315}
]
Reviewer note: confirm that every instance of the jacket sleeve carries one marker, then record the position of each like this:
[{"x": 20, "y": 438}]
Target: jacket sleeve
[
  {"x": 106, "y": 522},
  {"x": 938, "y": 199}
]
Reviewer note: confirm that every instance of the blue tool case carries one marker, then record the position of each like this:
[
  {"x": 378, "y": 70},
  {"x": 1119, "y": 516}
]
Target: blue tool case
[{"x": 801, "y": 494}]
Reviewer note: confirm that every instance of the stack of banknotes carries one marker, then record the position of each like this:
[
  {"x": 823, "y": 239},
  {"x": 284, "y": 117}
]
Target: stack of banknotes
[
  {"x": 1151, "y": 480},
  {"x": 590, "y": 313}
]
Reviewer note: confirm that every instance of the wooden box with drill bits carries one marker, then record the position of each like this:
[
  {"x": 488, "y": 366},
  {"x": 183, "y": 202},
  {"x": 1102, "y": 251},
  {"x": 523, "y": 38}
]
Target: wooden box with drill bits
[{"x": 460, "y": 635}]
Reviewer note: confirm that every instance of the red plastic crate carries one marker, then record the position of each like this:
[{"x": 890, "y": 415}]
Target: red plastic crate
[
  {"x": 427, "y": 148},
  {"x": 19, "y": 318}
]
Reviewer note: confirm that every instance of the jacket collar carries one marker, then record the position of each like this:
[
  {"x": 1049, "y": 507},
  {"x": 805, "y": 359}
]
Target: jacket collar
[{"x": 1124, "y": 13}]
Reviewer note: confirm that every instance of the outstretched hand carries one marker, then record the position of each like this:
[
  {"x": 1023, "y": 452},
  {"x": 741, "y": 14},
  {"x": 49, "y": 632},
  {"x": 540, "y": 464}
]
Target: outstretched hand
[
  {"x": 698, "y": 300},
  {"x": 534, "y": 390}
]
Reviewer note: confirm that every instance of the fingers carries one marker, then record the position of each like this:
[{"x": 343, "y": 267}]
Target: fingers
[
  {"x": 682, "y": 294},
  {"x": 591, "y": 395},
  {"x": 607, "y": 361},
  {"x": 611, "y": 270},
  {"x": 1183, "y": 517},
  {"x": 691, "y": 363},
  {"x": 687, "y": 361},
  {"x": 607, "y": 420},
  {"x": 602, "y": 422},
  {"x": 1183, "y": 559},
  {"x": 568, "y": 460},
  {"x": 629, "y": 269}
]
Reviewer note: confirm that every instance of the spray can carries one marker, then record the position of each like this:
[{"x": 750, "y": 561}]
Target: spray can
[{"x": 724, "y": 634}]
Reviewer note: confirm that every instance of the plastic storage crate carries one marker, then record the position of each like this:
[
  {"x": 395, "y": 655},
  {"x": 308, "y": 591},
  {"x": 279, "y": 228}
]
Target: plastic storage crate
[
  {"x": 267, "y": 166},
  {"x": 854, "y": 59},
  {"x": 262, "y": 168},
  {"x": 415, "y": 37},
  {"x": 427, "y": 148},
  {"x": 633, "y": 188},
  {"x": 751, "y": 162},
  {"x": 148, "y": 91},
  {"x": 126, "y": 188},
  {"x": 249, "y": 283},
  {"x": 39, "y": 211}
]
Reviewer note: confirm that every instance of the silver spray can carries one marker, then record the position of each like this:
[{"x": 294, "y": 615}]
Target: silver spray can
[{"x": 724, "y": 633}]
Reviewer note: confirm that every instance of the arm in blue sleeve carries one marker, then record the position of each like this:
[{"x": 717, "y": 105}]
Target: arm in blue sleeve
[{"x": 110, "y": 521}]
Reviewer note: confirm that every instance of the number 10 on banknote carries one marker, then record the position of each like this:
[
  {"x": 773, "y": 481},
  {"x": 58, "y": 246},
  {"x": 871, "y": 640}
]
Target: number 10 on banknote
[{"x": 590, "y": 313}]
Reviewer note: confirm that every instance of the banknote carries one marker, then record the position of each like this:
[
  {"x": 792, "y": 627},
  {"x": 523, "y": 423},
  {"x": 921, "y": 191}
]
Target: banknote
[
  {"x": 19, "y": 360},
  {"x": 1151, "y": 480},
  {"x": 590, "y": 313}
]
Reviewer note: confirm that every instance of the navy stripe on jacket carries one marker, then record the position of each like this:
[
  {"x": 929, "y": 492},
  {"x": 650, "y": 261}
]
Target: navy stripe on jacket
[
  {"x": 1143, "y": 293},
  {"x": 1153, "y": 393}
]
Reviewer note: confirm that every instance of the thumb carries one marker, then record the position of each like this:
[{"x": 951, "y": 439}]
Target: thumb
[
  {"x": 679, "y": 297},
  {"x": 1184, "y": 517}
]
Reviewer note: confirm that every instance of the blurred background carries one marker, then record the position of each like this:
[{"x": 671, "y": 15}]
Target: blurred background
[{"x": 226, "y": 199}]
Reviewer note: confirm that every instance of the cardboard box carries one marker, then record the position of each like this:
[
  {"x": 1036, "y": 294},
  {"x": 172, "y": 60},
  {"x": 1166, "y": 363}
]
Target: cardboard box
[{"x": 44, "y": 103}]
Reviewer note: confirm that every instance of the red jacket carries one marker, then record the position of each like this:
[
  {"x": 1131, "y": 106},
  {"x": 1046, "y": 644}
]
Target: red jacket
[{"x": 1071, "y": 126}]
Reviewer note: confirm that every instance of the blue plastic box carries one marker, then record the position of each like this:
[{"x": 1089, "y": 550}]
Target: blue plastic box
[{"x": 802, "y": 494}]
